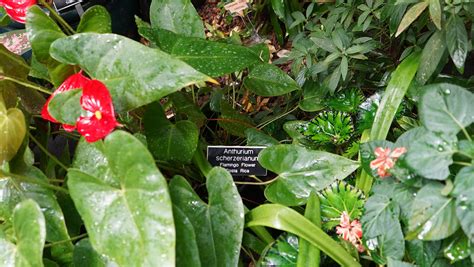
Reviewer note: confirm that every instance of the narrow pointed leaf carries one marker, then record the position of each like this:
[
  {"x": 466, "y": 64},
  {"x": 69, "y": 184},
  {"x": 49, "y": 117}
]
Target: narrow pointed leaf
[
  {"x": 457, "y": 41},
  {"x": 435, "y": 12},
  {"x": 412, "y": 14},
  {"x": 432, "y": 57}
]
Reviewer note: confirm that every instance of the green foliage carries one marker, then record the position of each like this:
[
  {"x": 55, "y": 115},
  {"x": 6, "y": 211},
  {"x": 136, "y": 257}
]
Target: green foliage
[{"x": 329, "y": 127}]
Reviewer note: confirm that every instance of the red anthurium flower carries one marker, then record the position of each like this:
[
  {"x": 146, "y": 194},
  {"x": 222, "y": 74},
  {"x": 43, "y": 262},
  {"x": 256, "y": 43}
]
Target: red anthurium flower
[
  {"x": 74, "y": 81},
  {"x": 100, "y": 118},
  {"x": 16, "y": 9},
  {"x": 350, "y": 231},
  {"x": 386, "y": 159}
]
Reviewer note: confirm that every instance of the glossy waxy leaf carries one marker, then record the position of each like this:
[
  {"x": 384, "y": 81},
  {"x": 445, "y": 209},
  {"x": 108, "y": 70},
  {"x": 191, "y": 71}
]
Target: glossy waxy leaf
[
  {"x": 381, "y": 228},
  {"x": 219, "y": 224},
  {"x": 433, "y": 215},
  {"x": 309, "y": 255},
  {"x": 302, "y": 171},
  {"x": 432, "y": 56},
  {"x": 95, "y": 19},
  {"x": 124, "y": 202},
  {"x": 283, "y": 252},
  {"x": 295, "y": 130},
  {"x": 42, "y": 32},
  {"x": 286, "y": 219},
  {"x": 269, "y": 80},
  {"x": 259, "y": 138},
  {"x": 431, "y": 154},
  {"x": 178, "y": 16},
  {"x": 446, "y": 108},
  {"x": 187, "y": 251},
  {"x": 457, "y": 41},
  {"x": 168, "y": 141},
  {"x": 458, "y": 247},
  {"x": 423, "y": 252},
  {"x": 435, "y": 12},
  {"x": 12, "y": 131},
  {"x": 29, "y": 228},
  {"x": 211, "y": 58},
  {"x": 464, "y": 193},
  {"x": 134, "y": 74}
]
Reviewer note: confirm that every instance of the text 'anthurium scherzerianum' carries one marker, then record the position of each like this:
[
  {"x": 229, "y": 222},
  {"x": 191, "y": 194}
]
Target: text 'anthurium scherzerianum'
[
  {"x": 98, "y": 116},
  {"x": 16, "y": 9}
]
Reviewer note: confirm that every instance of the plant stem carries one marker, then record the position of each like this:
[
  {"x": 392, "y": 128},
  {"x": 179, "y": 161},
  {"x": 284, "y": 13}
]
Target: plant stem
[
  {"x": 66, "y": 240},
  {"x": 262, "y": 125},
  {"x": 34, "y": 181},
  {"x": 42, "y": 148},
  {"x": 57, "y": 17},
  {"x": 260, "y": 183},
  {"x": 26, "y": 84}
]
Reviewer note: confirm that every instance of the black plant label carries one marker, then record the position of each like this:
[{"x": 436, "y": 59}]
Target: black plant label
[
  {"x": 238, "y": 160},
  {"x": 64, "y": 4}
]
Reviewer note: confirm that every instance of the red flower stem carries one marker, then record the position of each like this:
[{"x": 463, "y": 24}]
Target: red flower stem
[
  {"x": 57, "y": 17},
  {"x": 25, "y": 84}
]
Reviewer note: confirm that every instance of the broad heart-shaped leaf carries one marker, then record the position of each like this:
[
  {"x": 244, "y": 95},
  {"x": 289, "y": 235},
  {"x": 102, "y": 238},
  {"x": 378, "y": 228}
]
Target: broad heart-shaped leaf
[
  {"x": 17, "y": 190},
  {"x": 178, "y": 16},
  {"x": 218, "y": 225},
  {"x": 381, "y": 228},
  {"x": 302, "y": 171},
  {"x": 457, "y": 41},
  {"x": 259, "y": 138},
  {"x": 432, "y": 56},
  {"x": 446, "y": 108},
  {"x": 134, "y": 74},
  {"x": 211, "y": 58},
  {"x": 185, "y": 106},
  {"x": 29, "y": 227},
  {"x": 464, "y": 193},
  {"x": 95, "y": 19},
  {"x": 431, "y": 154},
  {"x": 232, "y": 121},
  {"x": 167, "y": 141},
  {"x": 66, "y": 107},
  {"x": 12, "y": 131},
  {"x": 433, "y": 215},
  {"x": 124, "y": 202},
  {"x": 423, "y": 252},
  {"x": 269, "y": 80}
]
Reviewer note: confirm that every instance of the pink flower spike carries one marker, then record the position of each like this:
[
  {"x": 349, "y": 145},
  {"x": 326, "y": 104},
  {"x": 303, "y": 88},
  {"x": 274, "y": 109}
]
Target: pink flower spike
[
  {"x": 386, "y": 159},
  {"x": 100, "y": 119},
  {"x": 350, "y": 231}
]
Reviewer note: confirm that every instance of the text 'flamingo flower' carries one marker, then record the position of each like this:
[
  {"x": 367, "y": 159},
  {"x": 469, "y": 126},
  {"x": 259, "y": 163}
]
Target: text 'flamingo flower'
[
  {"x": 386, "y": 159},
  {"x": 16, "y": 9}
]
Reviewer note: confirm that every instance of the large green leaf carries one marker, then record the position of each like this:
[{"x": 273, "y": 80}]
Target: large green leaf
[
  {"x": 32, "y": 188},
  {"x": 29, "y": 227},
  {"x": 187, "y": 251},
  {"x": 464, "y": 193},
  {"x": 433, "y": 215},
  {"x": 95, "y": 19},
  {"x": 431, "y": 154},
  {"x": 457, "y": 41},
  {"x": 178, "y": 16},
  {"x": 218, "y": 225},
  {"x": 446, "y": 108},
  {"x": 282, "y": 252},
  {"x": 232, "y": 121},
  {"x": 269, "y": 80},
  {"x": 435, "y": 12},
  {"x": 423, "y": 252},
  {"x": 123, "y": 199},
  {"x": 168, "y": 141},
  {"x": 382, "y": 229},
  {"x": 259, "y": 138},
  {"x": 287, "y": 219},
  {"x": 42, "y": 32},
  {"x": 211, "y": 58},
  {"x": 458, "y": 247},
  {"x": 302, "y": 171},
  {"x": 12, "y": 131},
  {"x": 393, "y": 96},
  {"x": 431, "y": 57},
  {"x": 134, "y": 74},
  {"x": 308, "y": 254},
  {"x": 184, "y": 106}
]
